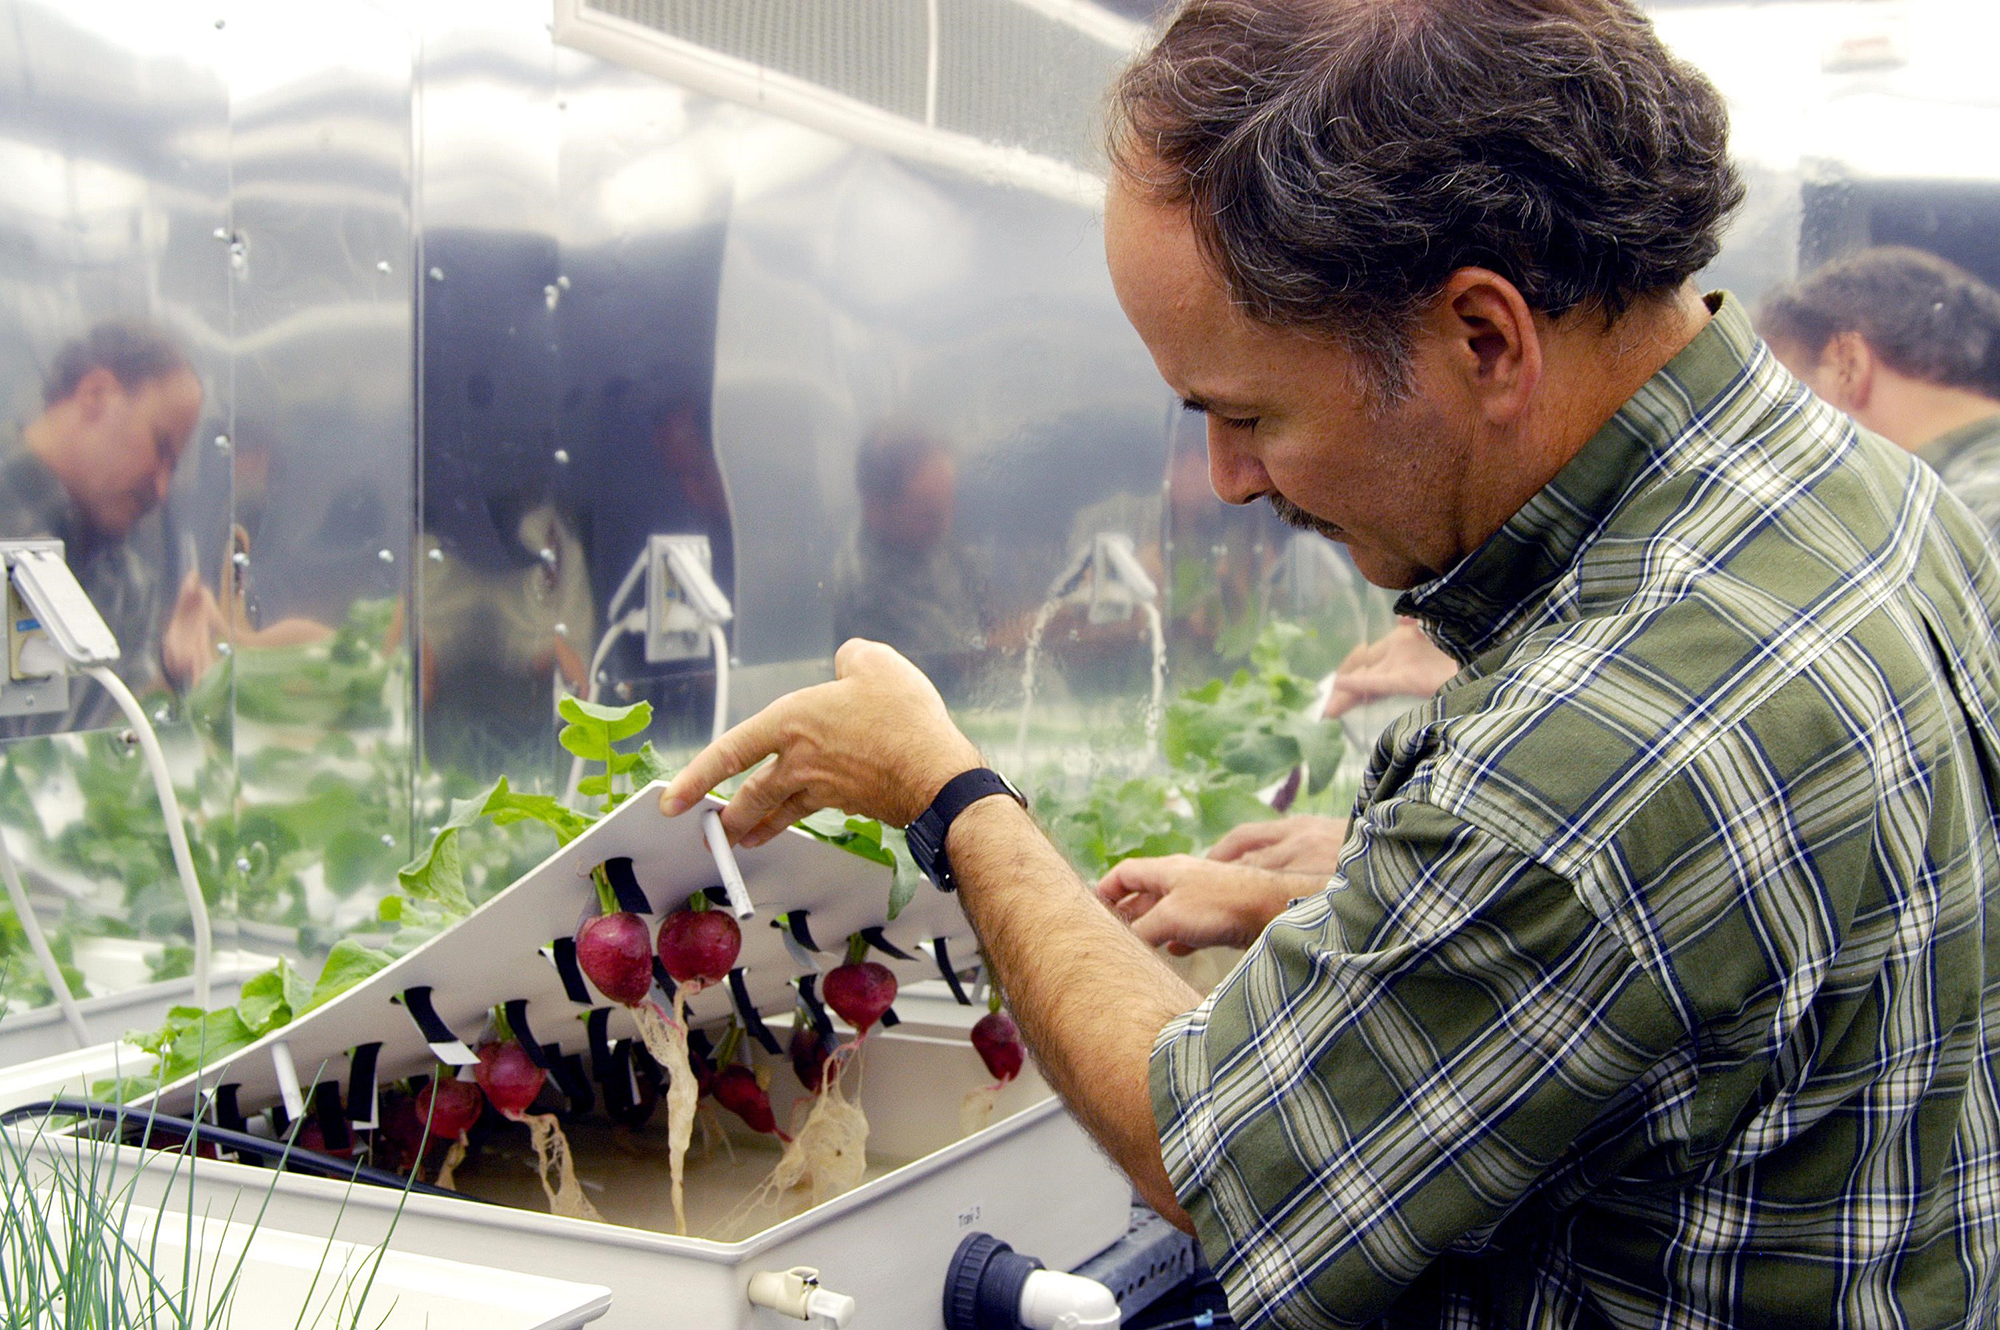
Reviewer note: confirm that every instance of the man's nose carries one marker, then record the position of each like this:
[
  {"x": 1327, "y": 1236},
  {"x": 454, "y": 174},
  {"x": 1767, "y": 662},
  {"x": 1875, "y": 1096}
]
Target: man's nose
[{"x": 1233, "y": 473}]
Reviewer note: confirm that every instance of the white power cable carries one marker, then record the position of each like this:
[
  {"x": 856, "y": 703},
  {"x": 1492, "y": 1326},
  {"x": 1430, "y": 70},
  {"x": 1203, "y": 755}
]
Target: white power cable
[
  {"x": 721, "y": 645},
  {"x": 170, "y": 809},
  {"x": 72, "y": 1014}
]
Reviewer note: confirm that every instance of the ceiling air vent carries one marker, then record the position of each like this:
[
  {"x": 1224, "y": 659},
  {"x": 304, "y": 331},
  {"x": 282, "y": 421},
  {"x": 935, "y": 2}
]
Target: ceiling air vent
[{"x": 1003, "y": 88}]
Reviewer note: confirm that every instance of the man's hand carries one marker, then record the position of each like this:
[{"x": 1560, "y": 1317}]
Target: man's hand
[
  {"x": 187, "y": 646},
  {"x": 1302, "y": 844},
  {"x": 1185, "y": 903},
  {"x": 1401, "y": 663},
  {"x": 876, "y": 742}
]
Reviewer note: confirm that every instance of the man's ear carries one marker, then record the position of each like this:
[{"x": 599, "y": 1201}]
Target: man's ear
[
  {"x": 1848, "y": 366},
  {"x": 1490, "y": 340},
  {"x": 94, "y": 392}
]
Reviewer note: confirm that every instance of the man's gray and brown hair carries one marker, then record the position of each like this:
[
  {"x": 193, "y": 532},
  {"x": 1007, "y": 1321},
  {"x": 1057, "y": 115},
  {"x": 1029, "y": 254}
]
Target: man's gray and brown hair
[
  {"x": 1926, "y": 317},
  {"x": 1341, "y": 158}
]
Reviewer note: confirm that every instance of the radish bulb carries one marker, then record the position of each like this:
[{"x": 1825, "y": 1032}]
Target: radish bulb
[
  {"x": 615, "y": 952},
  {"x": 511, "y": 1080},
  {"x": 998, "y": 1040},
  {"x": 451, "y": 1107},
  {"x": 699, "y": 946},
  {"x": 810, "y": 1055},
  {"x": 509, "y": 1077},
  {"x": 737, "y": 1090},
  {"x": 859, "y": 992}
]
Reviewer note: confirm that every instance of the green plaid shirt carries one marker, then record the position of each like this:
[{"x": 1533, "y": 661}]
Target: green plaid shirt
[
  {"x": 1968, "y": 461},
  {"x": 1655, "y": 988}
]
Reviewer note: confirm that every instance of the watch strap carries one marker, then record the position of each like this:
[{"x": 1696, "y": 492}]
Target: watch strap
[{"x": 926, "y": 835}]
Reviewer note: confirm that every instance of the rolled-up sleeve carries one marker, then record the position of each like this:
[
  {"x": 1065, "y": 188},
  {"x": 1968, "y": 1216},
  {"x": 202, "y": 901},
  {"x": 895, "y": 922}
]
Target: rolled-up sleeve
[{"x": 1395, "y": 1065}]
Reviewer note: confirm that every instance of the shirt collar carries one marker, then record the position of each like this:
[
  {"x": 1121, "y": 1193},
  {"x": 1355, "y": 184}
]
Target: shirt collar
[{"x": 1472, "y": 606}]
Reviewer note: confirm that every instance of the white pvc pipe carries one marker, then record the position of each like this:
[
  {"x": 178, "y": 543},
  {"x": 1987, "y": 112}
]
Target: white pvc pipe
[
  {"x": 72, "y": 1014},
  {"x": 1156, "y": 707},
  {"x": 170, "y": 809}
]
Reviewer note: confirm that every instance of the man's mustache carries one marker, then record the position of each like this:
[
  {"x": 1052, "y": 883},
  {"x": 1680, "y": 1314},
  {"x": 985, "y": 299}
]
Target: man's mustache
[{"x": 1294, "y": 516}]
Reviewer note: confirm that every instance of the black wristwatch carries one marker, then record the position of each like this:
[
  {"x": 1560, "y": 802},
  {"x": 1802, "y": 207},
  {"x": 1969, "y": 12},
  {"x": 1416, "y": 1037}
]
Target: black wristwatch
[{"x": 926, "y": 834}]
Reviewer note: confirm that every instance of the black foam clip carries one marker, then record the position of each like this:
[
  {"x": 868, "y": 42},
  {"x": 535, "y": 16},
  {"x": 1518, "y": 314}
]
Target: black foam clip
[
  {"x": 227, "y": 1113},
  {"x": 752, "y": 1022},
  {"x": 614, "y": 1073},
  {"x": 448, "y": 1047},
  {"x": 562, "y": 955},
  {"x": 625, "y": 886},
  {"x": 717, "y": 895},
  {"x": 890, "y": 1018},
  {"x": 598, "y": 1027},
  {"x": 566, "y": 1070},
  {"x": 663, "y": 979},
  {"x": 877, "y": 939},
  {"x": 942, "y": 953},
  {"x": 794, "y": 922},
  {"x": 517, "y": 1019},
  {"x": 361, "y": 1096},
  {"x": 809, "y": 998},
  {"x": 332, "y": 1122}
]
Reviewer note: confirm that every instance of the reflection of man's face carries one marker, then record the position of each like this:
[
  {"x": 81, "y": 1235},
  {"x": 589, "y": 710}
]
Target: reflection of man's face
[
  {"x": 127, "y": 441},
  {"x": 919, "y": 517}
]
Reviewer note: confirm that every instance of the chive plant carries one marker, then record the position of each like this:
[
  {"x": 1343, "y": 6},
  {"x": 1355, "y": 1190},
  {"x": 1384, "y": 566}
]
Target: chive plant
[{"x": 77, "y": 1253}]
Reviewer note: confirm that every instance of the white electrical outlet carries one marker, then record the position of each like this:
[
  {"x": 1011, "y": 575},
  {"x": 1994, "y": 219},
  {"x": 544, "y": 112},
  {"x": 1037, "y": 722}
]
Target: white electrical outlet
[{"x": 682, "y": 599}]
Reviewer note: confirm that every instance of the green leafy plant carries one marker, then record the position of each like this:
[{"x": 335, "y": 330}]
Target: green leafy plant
[{"x": 1224, "y": 744}]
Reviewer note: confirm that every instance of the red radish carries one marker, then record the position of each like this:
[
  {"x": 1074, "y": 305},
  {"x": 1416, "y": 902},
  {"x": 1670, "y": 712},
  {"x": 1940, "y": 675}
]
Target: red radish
[
  {"x": 452, "y": 1107},
  {"x": 736, "y": 1089},
  {"x": 998, "y": 1040},
  {"x": 312, "y": 1137},
  {"x": 859, "y": 992},
  {"x": 810, "y": 1055},
  {"x": 509, "y": 1077},
  {"x": 699, "y": 947},
  {"x": 616, "y": 952}
]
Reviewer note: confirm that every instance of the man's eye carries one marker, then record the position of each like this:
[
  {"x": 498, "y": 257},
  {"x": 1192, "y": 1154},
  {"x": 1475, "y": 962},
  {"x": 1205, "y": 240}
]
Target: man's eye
[{"x": 1233, "y": 422}]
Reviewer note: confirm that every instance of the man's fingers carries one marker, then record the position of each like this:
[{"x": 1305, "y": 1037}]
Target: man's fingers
[
  {"x": 737, "y": 751},
  {"x": 760, "y": 798},
  {"x": 774, "y": 825},
  {"x": 1243, "y": 840}
]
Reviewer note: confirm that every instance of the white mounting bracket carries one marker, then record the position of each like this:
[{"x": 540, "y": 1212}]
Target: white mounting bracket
[
  {"x": 682, "y": 598},
  {"x": 1118, "y": 582}
]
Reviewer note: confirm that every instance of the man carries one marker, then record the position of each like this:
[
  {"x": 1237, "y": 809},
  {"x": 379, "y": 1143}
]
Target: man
[
  {"x": 1655, "y": 986},
  {"x": 1909, "y": 345},
  {"x": 119, "y": 406},
  {"x": 904, "y": 577}
]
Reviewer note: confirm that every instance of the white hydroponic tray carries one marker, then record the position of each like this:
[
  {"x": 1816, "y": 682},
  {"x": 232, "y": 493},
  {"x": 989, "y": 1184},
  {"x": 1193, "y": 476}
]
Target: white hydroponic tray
[
  {"x": 495, "y": 955},
  {"x": 316, "y": 1283},
  {"x": 1032, "y": 1179}
]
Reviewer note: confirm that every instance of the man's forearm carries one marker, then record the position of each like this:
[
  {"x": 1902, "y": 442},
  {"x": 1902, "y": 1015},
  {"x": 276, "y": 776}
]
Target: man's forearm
[{"x": 1089, "y": 996}]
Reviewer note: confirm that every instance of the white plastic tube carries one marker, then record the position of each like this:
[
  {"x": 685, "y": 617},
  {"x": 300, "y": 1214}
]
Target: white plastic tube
[
  {"x": 1156, "y": 707},
  {"x": 18, "y": 894},
  {"x": 170, "y": 809}
]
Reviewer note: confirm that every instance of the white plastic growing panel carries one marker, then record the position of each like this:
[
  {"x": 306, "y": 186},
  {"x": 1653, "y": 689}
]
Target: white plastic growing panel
[{"x": 494, "y": 956}]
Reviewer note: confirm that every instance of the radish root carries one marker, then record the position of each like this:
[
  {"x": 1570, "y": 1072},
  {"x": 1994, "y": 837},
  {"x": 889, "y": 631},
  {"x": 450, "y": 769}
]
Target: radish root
[
  {"x": 975, "y": 1111},
  {"x": 552, "y": 1154},
  {"x": 828, "y": 1153},
  {"x": 666, "y": 1039},
  {"x": 452, "y": 1159}
]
